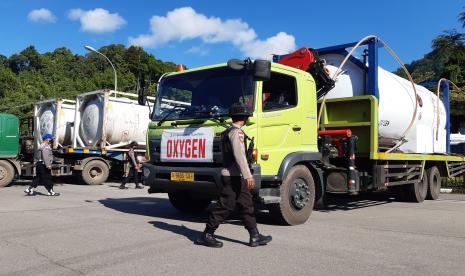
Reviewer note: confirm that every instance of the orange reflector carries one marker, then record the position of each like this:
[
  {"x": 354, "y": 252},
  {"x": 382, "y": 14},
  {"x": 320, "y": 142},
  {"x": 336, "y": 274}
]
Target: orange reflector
[
  {"x": 69, "y": 150},
  {"x": 180, "y": 67},
  {"x": 254, "y": 155}
]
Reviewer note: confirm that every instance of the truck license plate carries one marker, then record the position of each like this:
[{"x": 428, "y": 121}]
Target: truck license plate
[{"x": 182, "y": 176}]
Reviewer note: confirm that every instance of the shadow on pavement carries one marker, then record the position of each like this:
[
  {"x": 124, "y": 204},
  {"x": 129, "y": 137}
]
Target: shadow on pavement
[
  {"x": 149, "y": 206},
  {"x": 161, "y": 208},
  {"x": 347, "y": 203},
  {"x": 187, "y": 232}
]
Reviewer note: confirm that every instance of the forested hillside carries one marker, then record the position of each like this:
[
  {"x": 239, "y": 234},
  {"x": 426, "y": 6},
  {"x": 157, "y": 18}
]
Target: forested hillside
[
  {"x": 446, "y": 60},
  {"x": 30, "y": 76}
]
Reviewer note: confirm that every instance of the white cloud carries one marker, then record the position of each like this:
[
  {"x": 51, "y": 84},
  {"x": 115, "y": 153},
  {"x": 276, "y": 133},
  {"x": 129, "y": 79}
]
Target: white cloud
[
  {"x": 197, "y": 50},
  {"x": 42, "y": 15},
  {"x": 185, "y": 23},
  {"x": 97, "y": 20},
  {"x": 281, "y": 43}
]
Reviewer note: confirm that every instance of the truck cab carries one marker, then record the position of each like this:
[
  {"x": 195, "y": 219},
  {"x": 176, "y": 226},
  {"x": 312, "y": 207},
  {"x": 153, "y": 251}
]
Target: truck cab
[
  {"x": 191, "y": 112},
  {"x": 9, "y": 148}
]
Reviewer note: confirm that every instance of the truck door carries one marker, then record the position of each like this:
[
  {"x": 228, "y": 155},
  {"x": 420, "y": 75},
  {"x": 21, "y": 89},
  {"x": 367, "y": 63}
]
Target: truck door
[{"x": 279, "y": 128}]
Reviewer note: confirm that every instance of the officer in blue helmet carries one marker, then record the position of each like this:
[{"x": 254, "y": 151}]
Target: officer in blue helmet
[{"x": 43, "y": 159}]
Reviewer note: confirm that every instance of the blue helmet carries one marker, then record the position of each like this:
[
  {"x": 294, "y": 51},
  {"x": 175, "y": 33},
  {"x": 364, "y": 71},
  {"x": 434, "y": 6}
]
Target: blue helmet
[{"x": 47, "y": 136}]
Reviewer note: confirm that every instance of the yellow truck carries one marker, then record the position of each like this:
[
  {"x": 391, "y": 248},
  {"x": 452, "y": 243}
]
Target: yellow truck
[{"x": 295, "y": 161}]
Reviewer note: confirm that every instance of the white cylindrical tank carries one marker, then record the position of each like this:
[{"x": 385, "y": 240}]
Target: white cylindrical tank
[
  {"x": 116, "y": 120},
  {"x": 55, "y": 117},
  {"x": 396, "y": 107}
]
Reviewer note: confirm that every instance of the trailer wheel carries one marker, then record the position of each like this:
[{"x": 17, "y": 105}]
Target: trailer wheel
[
  {"x": 7, "y": 173},
  {"x": 185, "y": 203},
  {"x": 297, "y": 197},
  {"x": 95, "y": 172},
  {"x": 434, "y": 183}
]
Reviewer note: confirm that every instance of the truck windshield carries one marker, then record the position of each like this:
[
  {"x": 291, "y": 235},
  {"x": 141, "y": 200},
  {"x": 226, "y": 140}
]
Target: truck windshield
[{"x": 203, "y": 94}]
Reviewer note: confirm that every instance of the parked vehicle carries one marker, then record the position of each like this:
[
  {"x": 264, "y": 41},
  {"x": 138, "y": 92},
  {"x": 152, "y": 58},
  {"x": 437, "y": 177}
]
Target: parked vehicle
[
  {"x": 363, "y": 143},
  {"x": 91, "y": 136}
]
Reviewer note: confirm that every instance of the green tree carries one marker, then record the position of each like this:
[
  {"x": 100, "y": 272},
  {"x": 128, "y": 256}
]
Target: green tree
[
  {"x": 28, "y": 76},
  {"x": 462, "y": 17}
]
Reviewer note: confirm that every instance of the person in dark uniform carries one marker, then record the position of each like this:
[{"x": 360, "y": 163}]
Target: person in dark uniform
[
  {"x": 43, "y": 158},
  {"x": 237, "y": 183},
  {"x": 134, "y": 168}
]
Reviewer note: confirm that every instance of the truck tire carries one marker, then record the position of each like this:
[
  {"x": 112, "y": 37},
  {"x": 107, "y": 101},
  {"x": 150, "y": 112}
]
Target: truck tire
[
  {"x": 417, "y": 192},
  {"x": 7, "y": 173},
  {"x": 95, "y": 172},
  {"x": 434, "y": 183},
  {"x": 297, "y": 197},
  {"x": 185, "y": 203}
]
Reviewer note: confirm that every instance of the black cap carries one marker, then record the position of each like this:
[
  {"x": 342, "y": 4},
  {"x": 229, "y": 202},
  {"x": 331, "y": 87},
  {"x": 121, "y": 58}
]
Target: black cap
[{"x": 239, "y": 109}]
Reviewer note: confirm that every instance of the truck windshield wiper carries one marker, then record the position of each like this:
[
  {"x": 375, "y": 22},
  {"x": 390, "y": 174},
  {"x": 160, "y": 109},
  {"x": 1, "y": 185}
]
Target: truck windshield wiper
[
  {"x": 213, "y": 114},
  {"x": 175, "y": 108}
]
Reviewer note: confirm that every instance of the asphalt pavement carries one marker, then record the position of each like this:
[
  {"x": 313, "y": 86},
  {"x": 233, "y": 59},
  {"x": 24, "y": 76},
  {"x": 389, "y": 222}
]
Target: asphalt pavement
[{"x": 101, "y": 230}]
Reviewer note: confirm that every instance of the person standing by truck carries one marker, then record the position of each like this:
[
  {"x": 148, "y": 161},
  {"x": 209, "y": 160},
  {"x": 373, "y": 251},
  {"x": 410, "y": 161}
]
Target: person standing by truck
[
  {"x": 237, "y": 183},
  {"x": 133, "y": 173},
  {"x": 43, "y": 158}
]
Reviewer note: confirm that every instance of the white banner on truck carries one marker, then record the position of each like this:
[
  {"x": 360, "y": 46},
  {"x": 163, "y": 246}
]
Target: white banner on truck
[{"x": 187, "y": 145}]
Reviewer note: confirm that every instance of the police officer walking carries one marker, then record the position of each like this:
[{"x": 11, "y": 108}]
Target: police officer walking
[
  {"x": 237, "y": 183},
  {"x": 43, "y": 158},
  {"x": 134, "y": 168}
]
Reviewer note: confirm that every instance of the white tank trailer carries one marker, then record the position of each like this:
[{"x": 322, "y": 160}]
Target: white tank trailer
[
  {"x": 55, "y": 117},
  {"x": 396, "y": 107},
  {"x": 106, "y": 119}
]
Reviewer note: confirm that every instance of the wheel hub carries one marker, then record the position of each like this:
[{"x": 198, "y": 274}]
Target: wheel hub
[
  {"x": 2, "y": 173},
  {"x": 300, "y": 195},
  {"x": 94, "y": 172}
]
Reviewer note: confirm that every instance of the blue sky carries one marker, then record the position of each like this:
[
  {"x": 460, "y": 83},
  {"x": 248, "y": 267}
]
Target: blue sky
[{"x": 203, "y": 32}]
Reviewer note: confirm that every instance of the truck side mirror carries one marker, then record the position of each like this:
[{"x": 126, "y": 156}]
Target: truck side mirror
[
  {"x": 262, "y": 70},
  {"x": 236, "y": 64}
]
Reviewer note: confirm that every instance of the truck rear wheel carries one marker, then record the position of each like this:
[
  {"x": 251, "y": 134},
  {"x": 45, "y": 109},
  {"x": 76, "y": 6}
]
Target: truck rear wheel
[
  {"x": 416, "y": 192},
  {"x": 434, "y": 183},
  {"x": 95, "y": 172},
  {"x": 7, "y": 173},
  {"x": 297, "y": 197},
  {"x": 185, "y": 203}
]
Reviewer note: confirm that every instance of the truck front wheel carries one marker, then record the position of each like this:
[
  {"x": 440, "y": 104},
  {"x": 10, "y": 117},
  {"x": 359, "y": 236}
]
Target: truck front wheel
[
  {"x": 7, "y": 173},
  {"x": 95, "y": 172},
  {"x": 185, "y": 203},
  {"x": 297, "y": 197}
]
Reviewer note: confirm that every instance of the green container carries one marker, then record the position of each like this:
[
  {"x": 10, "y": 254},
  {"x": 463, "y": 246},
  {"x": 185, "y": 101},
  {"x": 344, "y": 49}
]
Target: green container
[{"x": 9, "y": 135}]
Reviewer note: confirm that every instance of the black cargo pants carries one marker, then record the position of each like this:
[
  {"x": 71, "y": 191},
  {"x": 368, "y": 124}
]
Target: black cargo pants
[
  {"x": 43, "y": 176},
  {"x": 234, "y": 193}
]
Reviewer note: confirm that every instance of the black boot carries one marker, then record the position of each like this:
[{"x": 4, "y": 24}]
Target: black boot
[
  {"x": 208, "y": 239},
  {"x": 139, "y": 186},
  {"x": 123, "y": 186},
  {"x": 257, "y": 239}
]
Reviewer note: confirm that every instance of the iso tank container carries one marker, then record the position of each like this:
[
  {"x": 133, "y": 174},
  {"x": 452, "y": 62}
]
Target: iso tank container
[
  {"x": 55, "y": 117},
  {"x": 396, "y": 107},
  {"x": 110, "y": 120}
]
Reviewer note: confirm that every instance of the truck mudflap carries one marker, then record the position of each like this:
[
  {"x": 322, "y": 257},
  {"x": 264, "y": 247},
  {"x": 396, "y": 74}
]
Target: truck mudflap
[{"x": 206, "y": 179}]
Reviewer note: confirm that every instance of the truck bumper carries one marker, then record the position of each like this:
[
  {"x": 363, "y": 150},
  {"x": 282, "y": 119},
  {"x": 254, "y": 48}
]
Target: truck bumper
[{"x": 206, "y": 180}]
